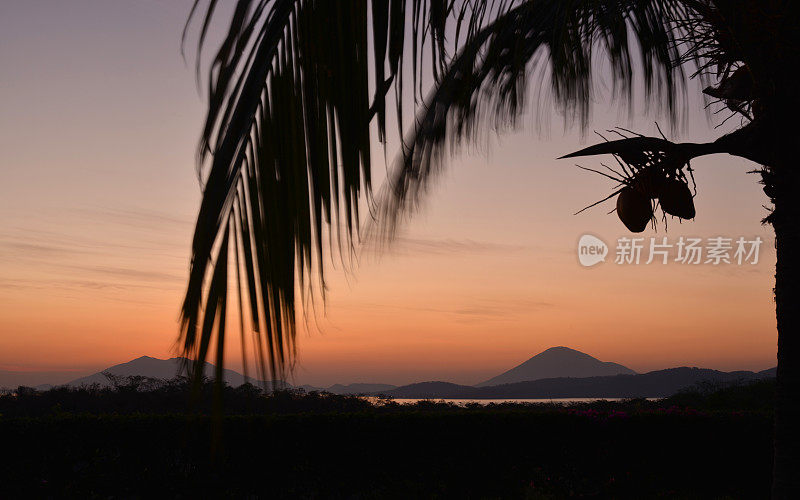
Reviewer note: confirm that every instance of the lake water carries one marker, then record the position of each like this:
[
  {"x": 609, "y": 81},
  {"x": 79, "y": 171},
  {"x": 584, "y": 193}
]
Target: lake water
[{"x": 463, "y": 402}]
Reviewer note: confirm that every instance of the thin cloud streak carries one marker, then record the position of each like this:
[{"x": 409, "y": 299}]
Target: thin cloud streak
[
  {"x": 449, "y": 246},
  {"x": 485, "y": 308}
]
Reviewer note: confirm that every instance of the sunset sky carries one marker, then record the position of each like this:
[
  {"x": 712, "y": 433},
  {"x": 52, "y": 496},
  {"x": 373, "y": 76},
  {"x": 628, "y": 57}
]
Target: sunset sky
[{"x": 99, "y": 120}]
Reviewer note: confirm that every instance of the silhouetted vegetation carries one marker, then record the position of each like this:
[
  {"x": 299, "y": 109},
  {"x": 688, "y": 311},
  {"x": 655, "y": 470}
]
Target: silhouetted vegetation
[
  {"x": 753, "y": 396},
  {"x": 137, "y": 394},
  {"x": 139, "y": 439},
  {"x": 144, "y": 395}
]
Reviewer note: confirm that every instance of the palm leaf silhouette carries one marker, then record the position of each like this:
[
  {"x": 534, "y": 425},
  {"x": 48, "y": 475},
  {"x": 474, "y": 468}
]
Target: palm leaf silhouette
[
  {"x": 296, "y": 84},
  {"x": 293, "y": 88}
]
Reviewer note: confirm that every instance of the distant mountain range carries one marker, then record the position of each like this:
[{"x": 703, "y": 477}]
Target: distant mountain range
[
  {"x": 558, "y": 372},
  {"x": 155, "y": 368},
  {"x": 558, "y": 362},
  {"x": 659, "y": 383},
  {"x": 561, "y": 372},
  {"x": 169, "y": 368},
  {"x": 352, "y": 388}
]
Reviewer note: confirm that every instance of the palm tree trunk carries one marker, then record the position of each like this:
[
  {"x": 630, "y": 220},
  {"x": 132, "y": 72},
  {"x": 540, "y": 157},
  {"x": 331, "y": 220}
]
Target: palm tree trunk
[{"x": 784, "y": 189}]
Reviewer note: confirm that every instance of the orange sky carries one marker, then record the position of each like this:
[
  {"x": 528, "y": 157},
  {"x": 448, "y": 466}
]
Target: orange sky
[{"x": 97, "y": 190}]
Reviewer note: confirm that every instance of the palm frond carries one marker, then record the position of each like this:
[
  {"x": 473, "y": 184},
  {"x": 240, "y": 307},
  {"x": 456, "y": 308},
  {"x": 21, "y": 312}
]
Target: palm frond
[
  {"x": 285, "y": 150},
  {"x": 486, "y": 82},
  {"x": 293, "y": 88}
]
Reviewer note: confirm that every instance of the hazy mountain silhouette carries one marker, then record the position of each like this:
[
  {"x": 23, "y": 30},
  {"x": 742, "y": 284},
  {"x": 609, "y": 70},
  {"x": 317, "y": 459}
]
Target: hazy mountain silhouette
[
  {"x": 558, "y": 362},
  {"x": 769, "y": 372},
  {"x": 659, "y": 383},
  {"x": 359, "y": 388},
  {"x": 628, "y": 384},
  {"x": 428, "y": 390},
  {"x": 156, "y": 368},
  {"x": 168, "y": 368}
]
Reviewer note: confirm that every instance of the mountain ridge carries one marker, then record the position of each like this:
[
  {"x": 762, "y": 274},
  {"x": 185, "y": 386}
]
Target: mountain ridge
[
  {"x": 151, "y": 367},
  {"x": 654, "y": 384},
  {"x": 557, "y": 362},
  {"x": 650, "y": 384},
  {"x": 169, "y": 368}
]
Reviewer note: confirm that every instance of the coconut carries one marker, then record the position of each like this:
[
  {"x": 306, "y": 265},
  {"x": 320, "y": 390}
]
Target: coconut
[
  {"x": 676, "y": 199},
  {"x": 648, "y": 182},
  {"x": 634, "y": 209}
]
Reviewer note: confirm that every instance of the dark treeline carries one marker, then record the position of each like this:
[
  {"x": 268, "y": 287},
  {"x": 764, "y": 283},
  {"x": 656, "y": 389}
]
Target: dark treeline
[
  {"x": 140, "y": 440},
  {"x": 128, "y": 395},
  {"x": 137, "y": 394}
]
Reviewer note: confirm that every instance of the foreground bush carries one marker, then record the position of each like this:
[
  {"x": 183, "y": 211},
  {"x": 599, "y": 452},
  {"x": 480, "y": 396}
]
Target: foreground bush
[{"x": 324, "y": 446}]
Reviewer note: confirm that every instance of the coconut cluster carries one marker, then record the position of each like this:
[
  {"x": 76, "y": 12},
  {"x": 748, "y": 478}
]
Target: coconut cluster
[
  {"x": 638, "y": 199},
  {"x": 652, "y": 173}
]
